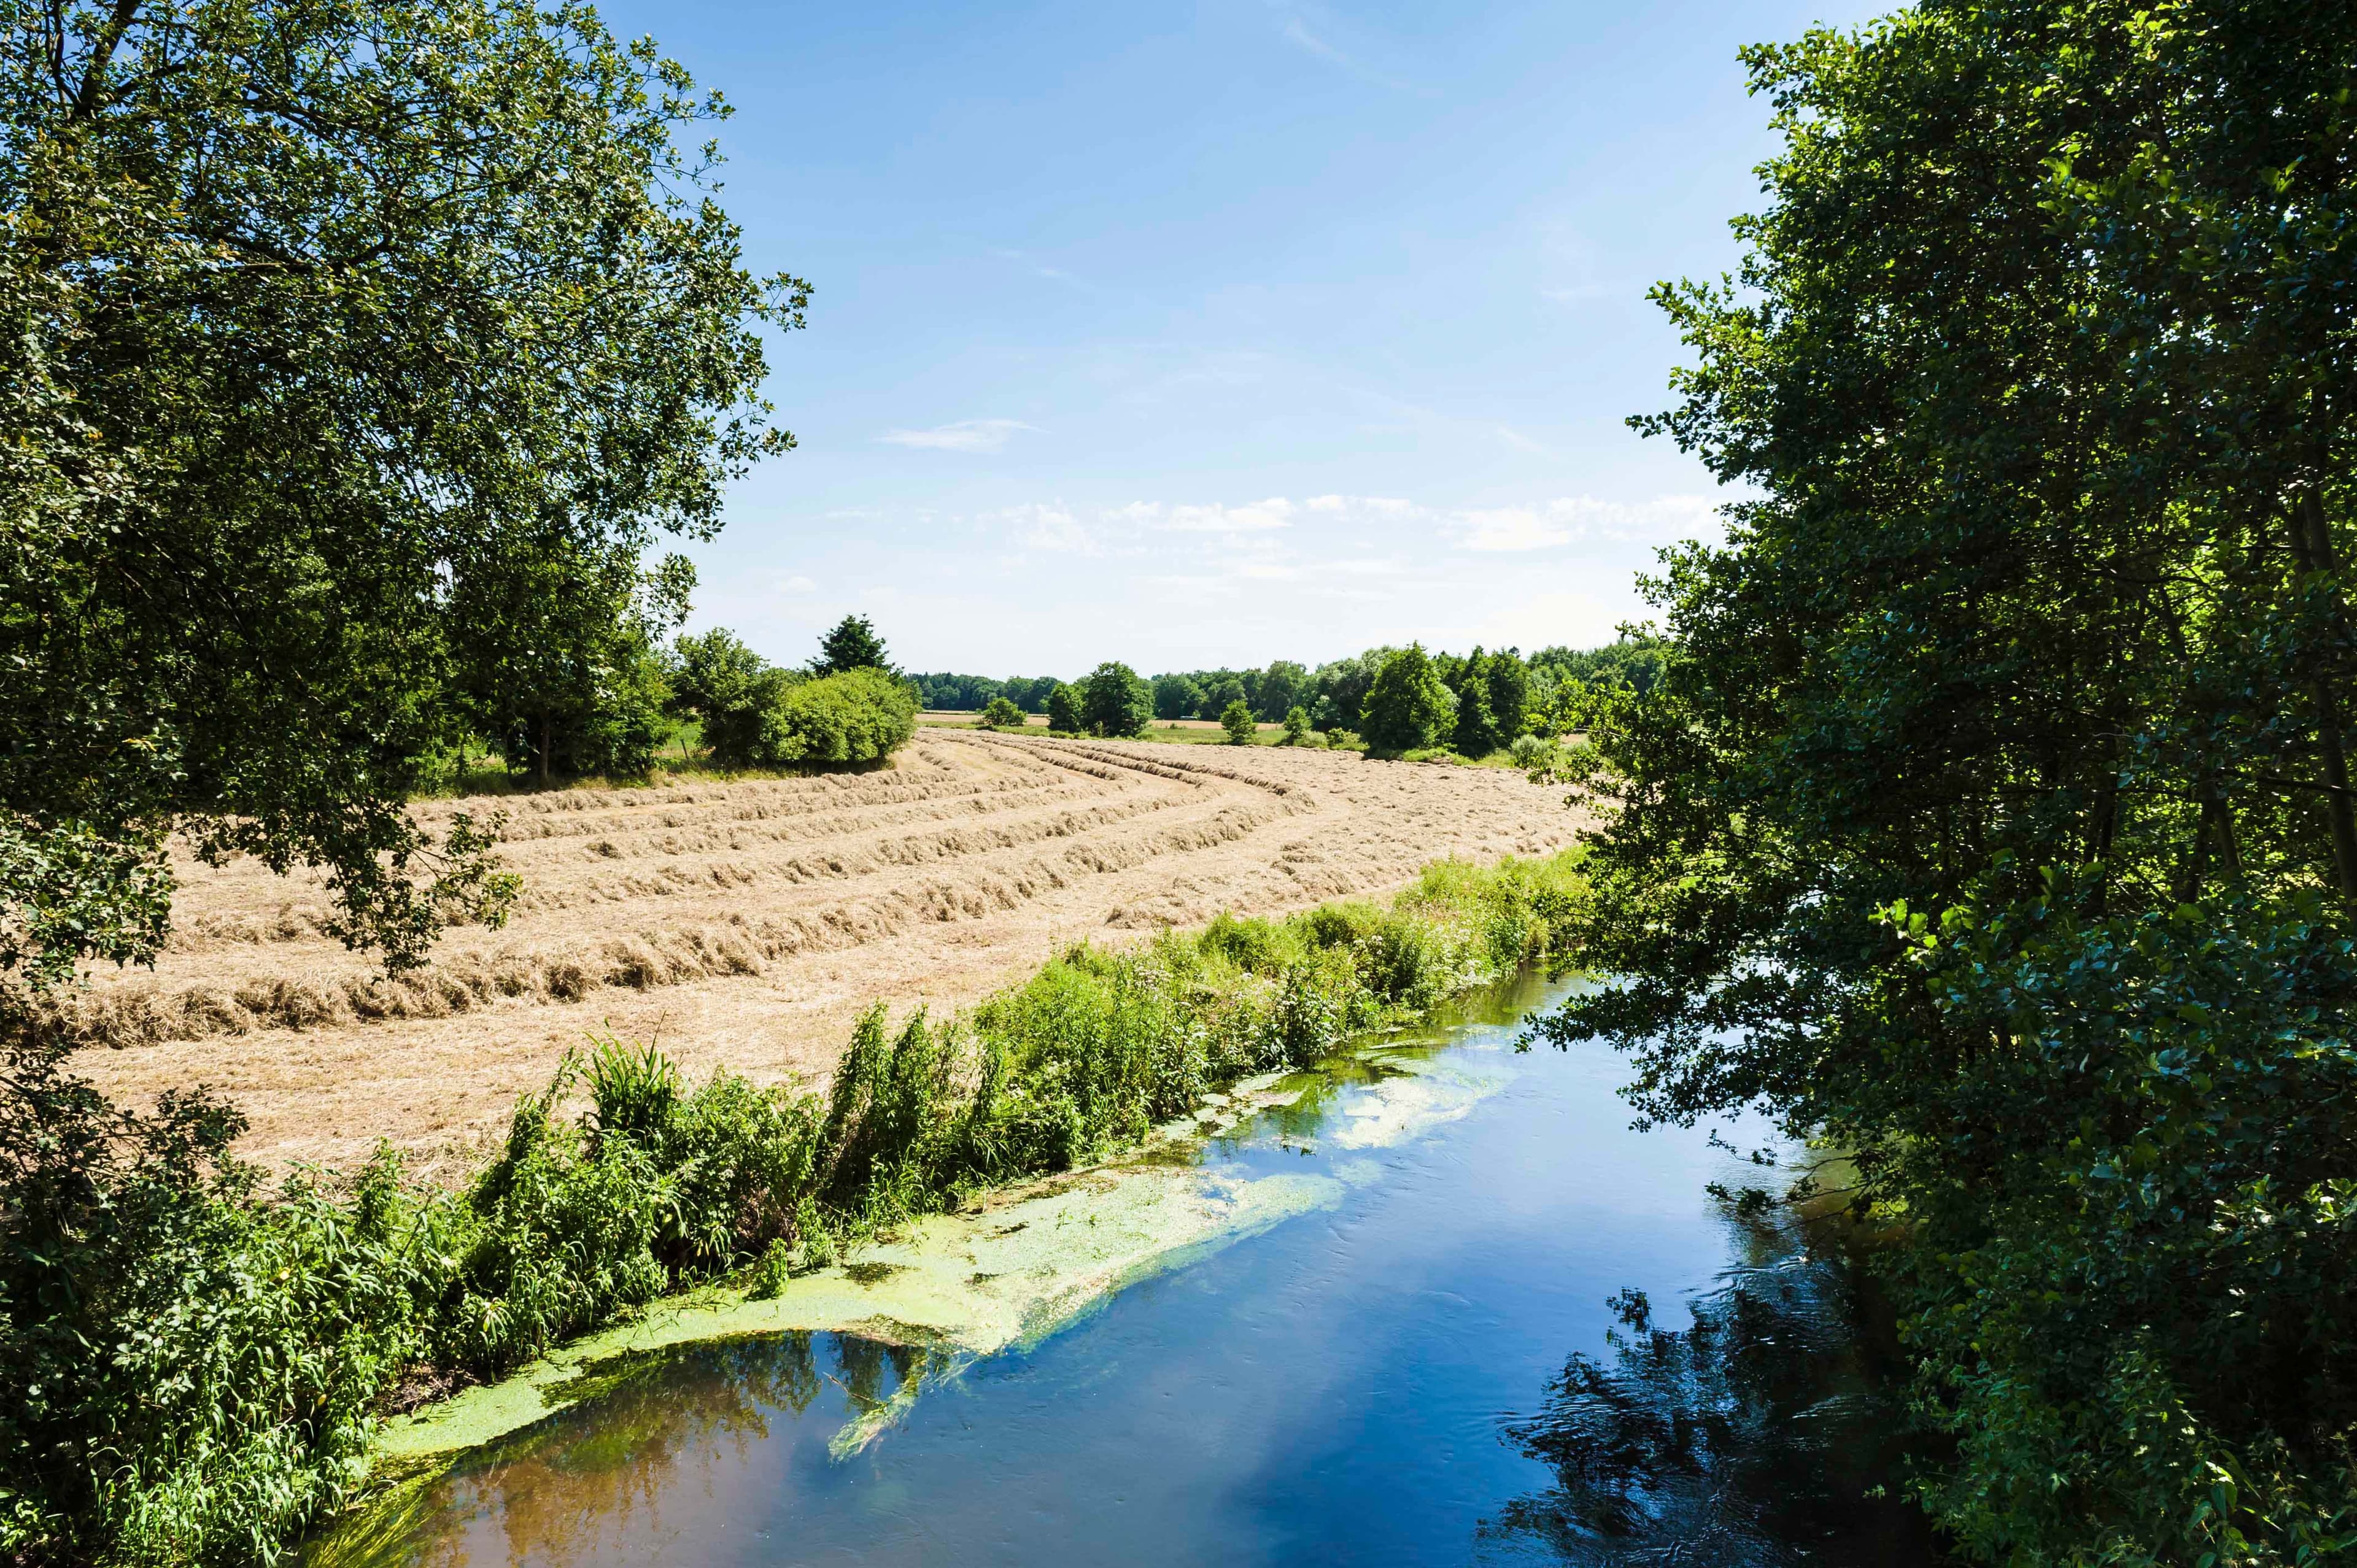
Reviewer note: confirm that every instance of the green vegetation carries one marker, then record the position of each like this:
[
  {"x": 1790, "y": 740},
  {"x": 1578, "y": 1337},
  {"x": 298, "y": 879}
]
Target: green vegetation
[
  {"x": 1237, "y": 721},
  {"x": 851, "y": 645},
  {"x": 346, "y": 391},
  {"x": 1002, "y": 715},
  {"x": 1989, "y": 810},
  {"x": 1408, "y": 707},
  {"x": 754, "y": 715},
  {"x": 190, "y": 1362},
  {"x": 1296, "y": 725},
  {"x": 1064, "y": 716},
  {"x": 1114, "y": 701}
]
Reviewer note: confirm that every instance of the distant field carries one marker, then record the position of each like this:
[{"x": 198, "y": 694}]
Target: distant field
[
  {"x": 748, "y": 921},
  {"x": 1186, "y": 732}
]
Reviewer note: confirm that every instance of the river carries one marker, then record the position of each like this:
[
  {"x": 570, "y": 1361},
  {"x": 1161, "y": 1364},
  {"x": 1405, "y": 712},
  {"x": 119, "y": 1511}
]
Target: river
[{"x": 1441, "y": 1360}]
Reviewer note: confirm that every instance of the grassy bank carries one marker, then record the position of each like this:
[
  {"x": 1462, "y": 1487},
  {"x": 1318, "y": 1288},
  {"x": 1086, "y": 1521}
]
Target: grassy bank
[{"x": 193, "y": 1364}]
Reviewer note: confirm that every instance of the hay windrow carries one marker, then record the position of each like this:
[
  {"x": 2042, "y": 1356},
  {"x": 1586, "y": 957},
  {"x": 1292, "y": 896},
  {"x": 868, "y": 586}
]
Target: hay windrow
[{"x": 743, "y": 921}]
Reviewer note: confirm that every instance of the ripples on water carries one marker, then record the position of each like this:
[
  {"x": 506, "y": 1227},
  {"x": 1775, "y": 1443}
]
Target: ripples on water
[{"x": 1383, "y": 1381}]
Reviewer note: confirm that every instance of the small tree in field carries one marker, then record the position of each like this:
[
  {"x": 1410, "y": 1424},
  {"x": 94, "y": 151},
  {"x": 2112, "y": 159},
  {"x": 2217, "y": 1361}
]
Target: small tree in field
[
  {"x": 1237, "y": 720},
  {"x": 1114, "y": 701},
  {"x": 852, "y": 645},
  {"x": 1064, "y": 709},
  {"x": 1296, "y": 725},
  {"x": 1408, "y": 708},
  {"x": 1002, "y": 715}
]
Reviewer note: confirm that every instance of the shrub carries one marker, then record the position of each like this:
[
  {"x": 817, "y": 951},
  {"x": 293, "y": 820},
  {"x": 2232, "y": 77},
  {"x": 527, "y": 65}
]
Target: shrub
[
  {"x": 856, "y": 717},
  {"x": 1296, "y": 725},
  {"x": 1114, "y": 701},
  {"x": 1064, "y": 709},
  {"x": 1237, "y": 720},
  {"x": 1002, "y": 715}
]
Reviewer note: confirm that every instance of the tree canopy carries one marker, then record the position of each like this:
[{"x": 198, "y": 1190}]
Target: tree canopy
[
  {"x": 333, "y": 329},
  {"x": 1990, "y": 812},
  {"x": 852, "y": 644}
]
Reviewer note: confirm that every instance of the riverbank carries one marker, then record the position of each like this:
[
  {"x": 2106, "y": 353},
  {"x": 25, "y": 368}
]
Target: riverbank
[{"x": 271, "y": 1334}]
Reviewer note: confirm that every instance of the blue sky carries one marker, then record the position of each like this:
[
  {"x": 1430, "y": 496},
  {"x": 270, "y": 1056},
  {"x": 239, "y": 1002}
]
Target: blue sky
[{"x": 1217, "y": 333}]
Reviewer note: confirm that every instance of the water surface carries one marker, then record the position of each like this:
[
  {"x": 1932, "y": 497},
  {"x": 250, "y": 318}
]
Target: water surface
[{"x": 1520, "y": 1332}]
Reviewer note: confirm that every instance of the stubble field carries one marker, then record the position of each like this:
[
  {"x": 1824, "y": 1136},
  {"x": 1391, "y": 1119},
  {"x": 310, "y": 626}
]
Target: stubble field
[{"x": 749, "y": 922}]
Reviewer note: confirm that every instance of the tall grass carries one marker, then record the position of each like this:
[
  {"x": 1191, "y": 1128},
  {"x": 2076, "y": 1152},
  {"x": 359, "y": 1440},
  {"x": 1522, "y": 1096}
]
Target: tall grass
[{"x": 191, "y": 1366}]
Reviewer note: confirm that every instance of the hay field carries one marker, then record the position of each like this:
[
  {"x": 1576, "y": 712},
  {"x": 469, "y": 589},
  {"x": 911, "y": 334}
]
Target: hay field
[{"x": 749, "y": 922}]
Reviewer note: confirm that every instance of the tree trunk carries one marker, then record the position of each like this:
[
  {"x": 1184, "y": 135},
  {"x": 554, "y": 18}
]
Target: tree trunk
[{"x": 547, "y": 741}]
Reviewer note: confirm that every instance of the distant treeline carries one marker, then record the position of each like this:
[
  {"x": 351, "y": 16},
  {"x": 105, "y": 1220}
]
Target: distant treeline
[{"x": 1518, "y": 695}]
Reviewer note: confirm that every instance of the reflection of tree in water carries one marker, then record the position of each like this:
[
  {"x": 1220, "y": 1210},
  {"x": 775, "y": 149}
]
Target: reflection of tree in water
[
  {"x": 1750, "y": 1439},
  {"x": 645, "y": 1432}
]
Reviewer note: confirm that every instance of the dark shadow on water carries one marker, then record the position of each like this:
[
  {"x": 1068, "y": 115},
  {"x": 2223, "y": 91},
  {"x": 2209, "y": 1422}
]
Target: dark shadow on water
[{"x": 1763, "y": 1434}]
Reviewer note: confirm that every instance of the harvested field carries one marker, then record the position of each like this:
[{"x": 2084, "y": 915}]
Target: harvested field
[{"x": 749, "y": 922}]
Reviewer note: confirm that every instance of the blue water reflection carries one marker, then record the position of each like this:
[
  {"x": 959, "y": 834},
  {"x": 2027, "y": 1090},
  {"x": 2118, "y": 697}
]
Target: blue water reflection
[{"x": 1382, "y": 1382}]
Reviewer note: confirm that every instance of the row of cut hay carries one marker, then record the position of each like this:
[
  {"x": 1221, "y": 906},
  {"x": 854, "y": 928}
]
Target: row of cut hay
[{"x": 130, "y": 1013}]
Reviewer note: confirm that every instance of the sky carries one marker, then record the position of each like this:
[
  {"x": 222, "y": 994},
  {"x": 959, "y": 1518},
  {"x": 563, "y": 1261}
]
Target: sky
[{"x": 1207, "y": 334}]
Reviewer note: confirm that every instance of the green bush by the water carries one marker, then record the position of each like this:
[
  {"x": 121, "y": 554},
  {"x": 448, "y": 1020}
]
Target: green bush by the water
[{"x": 190, "y": 1365}]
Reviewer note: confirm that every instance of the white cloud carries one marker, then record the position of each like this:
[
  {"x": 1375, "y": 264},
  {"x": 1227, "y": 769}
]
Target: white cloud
[
  {"x": 1037, "y": 527},
  {"x": 963, "y": 436},
  {"x": 1218, "y": 516},
  {"x": 796, "y": 586},
  {"x": 1569, "y": 518}
]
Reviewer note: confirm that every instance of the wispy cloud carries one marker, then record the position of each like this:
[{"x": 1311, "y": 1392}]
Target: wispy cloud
[
  {"x": 1217, "y": 517},
  {"x": 963, "y": 436},
  {"x": 1297, "y": 33},
  {"x": 796, "y": 586},
  {"x": 1569, "y": 518},
  {"x": 1049, "y": 526}
]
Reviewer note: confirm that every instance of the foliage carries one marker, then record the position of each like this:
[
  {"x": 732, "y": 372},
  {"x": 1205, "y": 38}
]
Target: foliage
[
  {"x": 1063, "y": 709},
  {"x": 1989, "y": 810},
  {"x": 851, "y": 645},
  {"x": 1407, "y": 708},
  {"x": 188, "y": 1365},
  {"x": 1296, "y": 725},
  {"x": 1176, "y": 697},
  {"x": 1237, "y": 721},
  {"x": 1002, "y": 715},
  {"x": 1114, "y": 701},
  {"x": 858, "y": 716},
  {"x": 327, "y": 323}
]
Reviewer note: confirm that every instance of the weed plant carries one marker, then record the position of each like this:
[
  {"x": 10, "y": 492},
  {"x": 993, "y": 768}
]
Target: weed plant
[{"x": 190, "y": 1364}]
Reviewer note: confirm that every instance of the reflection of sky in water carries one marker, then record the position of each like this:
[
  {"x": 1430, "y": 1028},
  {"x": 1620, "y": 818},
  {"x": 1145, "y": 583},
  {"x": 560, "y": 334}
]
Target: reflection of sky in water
[{"x": 1337, "y": 1389}]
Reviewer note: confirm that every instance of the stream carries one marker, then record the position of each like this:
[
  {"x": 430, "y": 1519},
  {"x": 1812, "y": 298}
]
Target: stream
[{"x": 1504, "y": 1327}]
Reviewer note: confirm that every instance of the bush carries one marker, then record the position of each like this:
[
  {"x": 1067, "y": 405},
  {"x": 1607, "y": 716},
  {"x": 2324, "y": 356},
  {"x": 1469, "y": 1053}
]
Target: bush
[
  {"x": 1002, "y": 715},
  {"x": 187, "y": 1368},
  {"x": 1237, "y": 720},
  {"x": 1297, "y": 725},
  {"x": 855, "y": 717},
  {"x": 1114, "y": 701},
  {"x": 1064, "y": 710}
]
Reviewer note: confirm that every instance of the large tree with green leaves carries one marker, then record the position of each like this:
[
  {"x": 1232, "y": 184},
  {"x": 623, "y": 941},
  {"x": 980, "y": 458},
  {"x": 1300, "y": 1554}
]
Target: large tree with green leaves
[
  {"x": 329, "y": 322},
  {"x": 1991, "y": 812}
]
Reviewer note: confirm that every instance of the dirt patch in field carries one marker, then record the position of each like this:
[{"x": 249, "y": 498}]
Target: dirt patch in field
[{"x": 747, "y": 923}]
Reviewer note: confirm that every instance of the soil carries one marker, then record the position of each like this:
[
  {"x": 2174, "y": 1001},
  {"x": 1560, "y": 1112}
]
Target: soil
[{"x": 747, "y": 923}]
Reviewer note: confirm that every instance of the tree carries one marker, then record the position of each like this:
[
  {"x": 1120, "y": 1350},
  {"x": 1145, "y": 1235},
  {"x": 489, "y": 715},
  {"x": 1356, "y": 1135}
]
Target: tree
[
  {"x": 852, "y": 645},
  {"x": 1296, "y": 725},
  {"x": 1989, "y": 814},
  {"x": 1476, "y": 732},
  {"x": 312, "y": 313},
  {"x": 1218, "y": 693},
  {"x": 1509, "y": 693},
  {"x": 1002, "y": 715},
  {"x": 1407, "y": 707},
  {"x": 1341, "y": 688},
  {"x": 1064, "y": 709},
  {"x": 733, "y": 693},
  {"x": 327, "y": 326},
  {"x": 1114, "y": 701},
  {"x": 1237, "y": 720},
  {"x": 1175, "y": 697},
  {"x": 1280, "y": 686}
]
